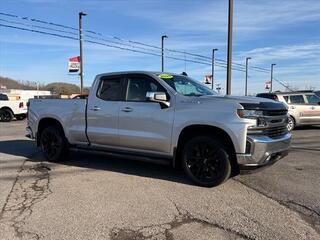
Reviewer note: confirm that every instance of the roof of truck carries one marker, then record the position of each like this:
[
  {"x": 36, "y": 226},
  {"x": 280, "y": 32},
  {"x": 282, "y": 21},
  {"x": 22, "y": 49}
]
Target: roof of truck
[{"x": 138, "y": 72}]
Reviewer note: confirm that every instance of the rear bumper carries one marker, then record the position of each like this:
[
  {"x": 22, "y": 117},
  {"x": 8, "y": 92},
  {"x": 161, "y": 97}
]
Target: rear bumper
[{"x": 264, "y": 151}]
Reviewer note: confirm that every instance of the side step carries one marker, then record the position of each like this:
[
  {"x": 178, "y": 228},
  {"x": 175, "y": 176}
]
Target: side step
[{"x": 163, "y": 160}]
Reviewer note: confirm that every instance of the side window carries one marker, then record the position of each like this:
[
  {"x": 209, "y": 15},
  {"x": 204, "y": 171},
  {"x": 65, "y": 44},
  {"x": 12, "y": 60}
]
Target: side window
[
  {"x": 110, "y": 89},
  {"x": 4, "y": 97},
  {"x": 138, "y": 86},
  {"x": 313, "y": 99},
  {"x": 296, "y": 99}
]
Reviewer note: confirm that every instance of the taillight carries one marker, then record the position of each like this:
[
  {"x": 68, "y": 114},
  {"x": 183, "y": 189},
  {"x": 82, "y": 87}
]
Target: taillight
[
  {"x": 275, "y": 97},
  {"x": 21, "y": 105}
]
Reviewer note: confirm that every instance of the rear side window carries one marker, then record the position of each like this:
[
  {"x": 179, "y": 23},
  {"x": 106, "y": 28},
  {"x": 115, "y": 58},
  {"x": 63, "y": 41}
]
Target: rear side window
[
  {"x": 313, "y": 99},
  {"x": 110, "y": 89},
  {"x": 286, "y": 98},
  {"x": 296, "y": 99}
]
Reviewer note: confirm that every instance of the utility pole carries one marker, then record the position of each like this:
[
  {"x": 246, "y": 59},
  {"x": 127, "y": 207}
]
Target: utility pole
[
  {"x": 246, "y": 86},
  {"x": 212, "y": 70},
  {"x": 162, "y": 52},
  {"x": 185, "y": 62},
  {"x": 229, "y": 57},
  {"x": 271, "y": 82},
  {"x": 81, "y": 14}
]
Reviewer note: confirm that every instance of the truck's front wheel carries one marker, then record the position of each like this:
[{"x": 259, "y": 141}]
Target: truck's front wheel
[
  {"x": 206, "y": 161},
  {"x": 53, "y": 144}
]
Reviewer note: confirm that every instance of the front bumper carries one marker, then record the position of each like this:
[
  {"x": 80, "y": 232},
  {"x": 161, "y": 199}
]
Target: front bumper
[
  {"x": 29, "y": 133},
  {"x": 263, "y": 152}
]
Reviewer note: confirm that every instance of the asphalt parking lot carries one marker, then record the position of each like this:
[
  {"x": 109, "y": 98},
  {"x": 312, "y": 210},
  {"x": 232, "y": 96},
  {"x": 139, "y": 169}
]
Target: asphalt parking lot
[{"x": 96, "y": 197}]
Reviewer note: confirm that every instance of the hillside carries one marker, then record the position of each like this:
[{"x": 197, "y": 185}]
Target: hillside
[
  {"x": 56, "y": 87},
  {"x": 13, "y": 84}
]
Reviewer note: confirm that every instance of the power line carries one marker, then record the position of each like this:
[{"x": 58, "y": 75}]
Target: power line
[
  {"x": 196, "y": 58},
  {"x": 114, "y": 37},
  {"x": 37, "y": 31},
  {"x": 37, "y": 26}
]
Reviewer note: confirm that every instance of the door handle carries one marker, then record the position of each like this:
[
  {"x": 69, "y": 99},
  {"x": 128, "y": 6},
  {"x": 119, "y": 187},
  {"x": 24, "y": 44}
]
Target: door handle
[
  {"x": 127, "y": 109},
  {"x": 312, "y": 107},
  {"x": 95, "y": 108},
  {"x": 292, "y": 107}
]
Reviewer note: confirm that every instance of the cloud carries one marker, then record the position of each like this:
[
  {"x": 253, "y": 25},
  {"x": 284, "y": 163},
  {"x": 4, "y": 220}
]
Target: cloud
[{"x": 304, "y": 51}]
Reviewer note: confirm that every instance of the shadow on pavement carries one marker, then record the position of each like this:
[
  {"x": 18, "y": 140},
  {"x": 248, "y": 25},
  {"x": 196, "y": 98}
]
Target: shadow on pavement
[
  {"x": 308, "y": 127},
  {"x": 27, "y": 149}
]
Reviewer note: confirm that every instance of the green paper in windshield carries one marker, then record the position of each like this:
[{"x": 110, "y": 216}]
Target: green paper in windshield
[{"x": 165, "y": 76}]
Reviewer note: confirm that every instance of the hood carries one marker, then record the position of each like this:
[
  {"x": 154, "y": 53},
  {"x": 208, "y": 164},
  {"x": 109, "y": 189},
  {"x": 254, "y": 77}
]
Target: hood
[{"x": 247, "y": 102}]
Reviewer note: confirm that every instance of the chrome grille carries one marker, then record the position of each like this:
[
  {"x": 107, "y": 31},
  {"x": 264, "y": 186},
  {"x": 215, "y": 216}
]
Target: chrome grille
[
  {"x": 273, "y": 124},
  {"x": 275, "y": 131}
]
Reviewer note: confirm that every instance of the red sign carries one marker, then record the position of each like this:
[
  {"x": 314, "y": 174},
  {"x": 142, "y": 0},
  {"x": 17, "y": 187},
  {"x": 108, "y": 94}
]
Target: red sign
[{"x": 74, "y": 64}]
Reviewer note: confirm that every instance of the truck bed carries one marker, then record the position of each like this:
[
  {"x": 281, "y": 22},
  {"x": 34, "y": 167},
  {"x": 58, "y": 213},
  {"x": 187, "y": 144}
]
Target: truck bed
[{"x": 69, "y": 112}]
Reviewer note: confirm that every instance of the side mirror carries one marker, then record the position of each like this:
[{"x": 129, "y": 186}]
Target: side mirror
[
  {"x": 318, "y": 103},
  {"x": 159, "y": 97}
]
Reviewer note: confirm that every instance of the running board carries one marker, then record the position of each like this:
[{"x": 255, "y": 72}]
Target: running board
[{"x": 163, "y": 160}]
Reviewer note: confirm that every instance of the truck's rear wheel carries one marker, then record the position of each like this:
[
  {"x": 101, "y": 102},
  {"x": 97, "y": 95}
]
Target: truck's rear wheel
[
  {"x": 206, "y": 161},
  {"x": 53, "y": 144},
  {"x": 6, "y": 115}
]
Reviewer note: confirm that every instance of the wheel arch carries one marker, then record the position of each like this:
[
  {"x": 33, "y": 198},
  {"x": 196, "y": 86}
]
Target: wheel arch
[
  {"x": 47, "y": 121},
  {"x": 201, "y": 129},
  {"x": 7, "y": 108}
]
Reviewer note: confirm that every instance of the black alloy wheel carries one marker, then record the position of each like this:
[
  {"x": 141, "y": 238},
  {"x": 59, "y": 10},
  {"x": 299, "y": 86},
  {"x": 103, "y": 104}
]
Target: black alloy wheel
[
  {"x": 53, "y": 144},
  {"x": 6, "y": 115},
  {"x": 206, "y": 161}
]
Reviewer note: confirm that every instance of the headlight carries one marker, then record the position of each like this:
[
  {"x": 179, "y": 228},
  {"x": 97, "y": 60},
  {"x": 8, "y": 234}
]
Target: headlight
[{"x": 252, "y": 114}]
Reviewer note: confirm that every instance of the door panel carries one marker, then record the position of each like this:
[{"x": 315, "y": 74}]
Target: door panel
[
  {"x": 103, "y": 123},
  {"x": 313, "y": 111},
  {"x": 103, "y": 111},
  {"x": 146, "y": 126}
]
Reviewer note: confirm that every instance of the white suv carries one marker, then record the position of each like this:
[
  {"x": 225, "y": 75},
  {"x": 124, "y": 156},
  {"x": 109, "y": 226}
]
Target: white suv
[{"x": 303, "y": 106}]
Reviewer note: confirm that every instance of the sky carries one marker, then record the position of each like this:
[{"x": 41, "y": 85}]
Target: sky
[{"x": 284, "y": 32}]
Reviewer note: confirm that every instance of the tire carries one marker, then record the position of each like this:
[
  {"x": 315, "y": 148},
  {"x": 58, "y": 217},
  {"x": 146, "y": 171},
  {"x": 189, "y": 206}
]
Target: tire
[
  {"x": 291, "y": 123},
  {"x": 6, "y": 115},
  {"x": 206, "y": 161},
  {"x": 53, "y": 144}
]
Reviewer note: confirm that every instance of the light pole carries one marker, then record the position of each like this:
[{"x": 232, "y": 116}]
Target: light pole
[
  {"x": 81, "y": 14},
  {"x": 162, "y": 51},
  {"x": 271, "y": 82},
  {"x": 246, "y": 86},
  {"x": 229, "y": 57},
  {"x": 212, "y": 70}
]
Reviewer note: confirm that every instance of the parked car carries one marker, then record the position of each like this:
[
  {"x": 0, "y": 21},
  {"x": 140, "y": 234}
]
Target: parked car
[
  {"x": 10, "y": 109},
  {"x": 303, "y": 106},
  {"x": 164, "y": 118},
  {"x": 80, "y": 96}
]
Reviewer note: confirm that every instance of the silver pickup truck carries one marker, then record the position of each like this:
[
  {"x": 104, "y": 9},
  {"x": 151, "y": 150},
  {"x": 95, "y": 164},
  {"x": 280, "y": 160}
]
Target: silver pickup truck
[{"x": 164, "y": 118}]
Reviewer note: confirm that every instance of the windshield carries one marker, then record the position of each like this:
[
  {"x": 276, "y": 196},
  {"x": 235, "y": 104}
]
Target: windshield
[{"x": 186, "y": 86}]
